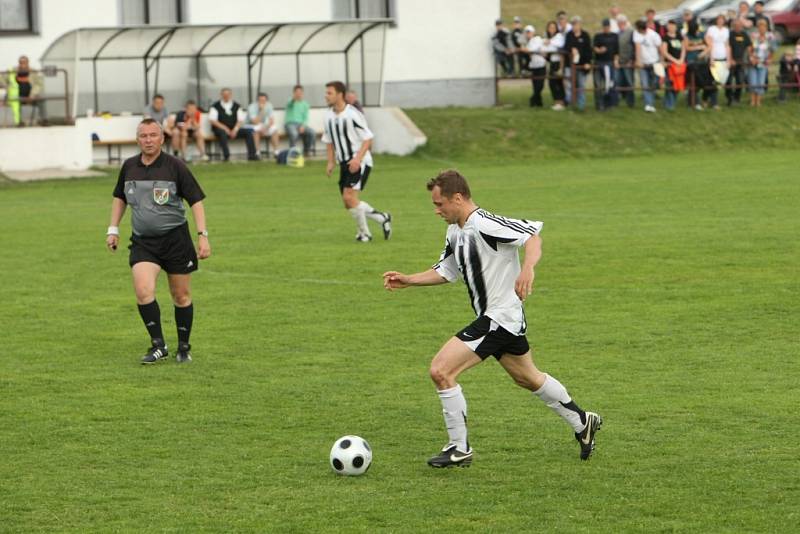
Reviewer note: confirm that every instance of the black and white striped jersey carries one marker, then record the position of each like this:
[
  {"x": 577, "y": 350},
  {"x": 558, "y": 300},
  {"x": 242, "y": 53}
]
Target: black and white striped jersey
[
  {"x": 347, "y": 131},
  {"x": 484, "y": 254}
]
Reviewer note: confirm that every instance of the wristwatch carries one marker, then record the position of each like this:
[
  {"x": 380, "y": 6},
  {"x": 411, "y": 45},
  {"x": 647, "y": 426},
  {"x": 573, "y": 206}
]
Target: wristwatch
[{"x": 204, "y": 233}]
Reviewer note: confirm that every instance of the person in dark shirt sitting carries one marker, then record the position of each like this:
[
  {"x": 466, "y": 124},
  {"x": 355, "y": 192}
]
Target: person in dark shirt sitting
[
  {"x": 579, "y": 57},
  {"x": 606, "y": 57}
]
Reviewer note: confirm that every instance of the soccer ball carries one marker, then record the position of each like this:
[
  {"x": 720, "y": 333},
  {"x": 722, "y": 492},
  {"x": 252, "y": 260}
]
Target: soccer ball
[{"x": 351, "y": 455}]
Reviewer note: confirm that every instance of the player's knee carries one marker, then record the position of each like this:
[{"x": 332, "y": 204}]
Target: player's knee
[
  {"x": 181, "y": 297},
  {"x": 144, "y": 294},
  {"x": 440, "y": 376}
]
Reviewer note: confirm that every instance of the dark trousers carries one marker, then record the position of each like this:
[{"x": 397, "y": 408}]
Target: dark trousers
[
  {"x": 736, "y": 77},
  {"x": 537, "y": 79},
  {"x": 625, "y": 83},
  {"x": 244, "y": 133},
  {"x": 506, "y": 62},
  {"x": 556, "y": 81},
  {"x": 704, "y": 84},
  {"x": 604, "y": 97}
]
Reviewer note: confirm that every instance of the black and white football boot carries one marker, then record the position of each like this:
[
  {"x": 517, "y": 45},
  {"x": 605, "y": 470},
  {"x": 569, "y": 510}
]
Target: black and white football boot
[
  {"x": 387, "y": 225},
  {"x": 451, "y": 457},
  {"x": 363, "y": 238},
  {"x": 158, "y": 352},
  {"x": 586, "y": 437},
  {"x": 184, "y": 355}
]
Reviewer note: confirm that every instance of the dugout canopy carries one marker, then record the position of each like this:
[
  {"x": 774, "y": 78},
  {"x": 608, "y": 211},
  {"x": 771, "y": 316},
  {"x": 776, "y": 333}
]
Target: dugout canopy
[{"x": 120, "y": 69}]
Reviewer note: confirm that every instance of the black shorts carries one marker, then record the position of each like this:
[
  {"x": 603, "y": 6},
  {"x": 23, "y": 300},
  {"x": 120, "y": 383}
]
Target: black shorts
[
  {"x": 356, "y": 180},
  {"x": 173, "y": 251},
  {"x": 487, "y": 338}
]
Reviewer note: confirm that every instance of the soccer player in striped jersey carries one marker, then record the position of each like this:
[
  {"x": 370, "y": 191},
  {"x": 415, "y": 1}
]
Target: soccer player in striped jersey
[
  {"x": 481, "y": 248},
  {"x": 349, "y": 139}
]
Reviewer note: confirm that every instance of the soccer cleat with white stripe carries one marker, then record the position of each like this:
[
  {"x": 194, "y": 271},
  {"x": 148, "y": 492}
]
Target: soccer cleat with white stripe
[
  {"x": 363, "y": 238},
  {"x": 183, "y": 355},
  {"x": 586, "y": 437},
  {"x": 451, "y": 457},
  {"x": 387, "y": 225},
  {"x": 158, "y": 352}
]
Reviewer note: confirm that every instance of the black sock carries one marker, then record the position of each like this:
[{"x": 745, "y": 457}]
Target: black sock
[
  {"x": 183, "y": 320},
  {"x": 151, "y": 315}
]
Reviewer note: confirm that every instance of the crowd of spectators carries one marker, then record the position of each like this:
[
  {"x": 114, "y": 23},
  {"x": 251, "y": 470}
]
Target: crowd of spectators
[
  {"x": 230, "y": 120},
  {"x": 734, "y": 53}
]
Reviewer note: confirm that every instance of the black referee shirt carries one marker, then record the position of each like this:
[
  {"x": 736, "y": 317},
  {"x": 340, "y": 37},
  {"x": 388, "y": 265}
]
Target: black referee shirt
[{"x": 155, "y": 193}]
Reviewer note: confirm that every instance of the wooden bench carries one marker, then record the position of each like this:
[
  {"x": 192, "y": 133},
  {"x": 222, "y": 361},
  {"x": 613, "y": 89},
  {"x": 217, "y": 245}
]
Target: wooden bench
[
  {"x": 119, "y": 143},
  {"x": 213, "y": 153}
]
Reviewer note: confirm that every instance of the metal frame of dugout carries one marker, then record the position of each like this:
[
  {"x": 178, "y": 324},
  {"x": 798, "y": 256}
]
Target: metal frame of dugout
[{"x": 252, "y": 43}]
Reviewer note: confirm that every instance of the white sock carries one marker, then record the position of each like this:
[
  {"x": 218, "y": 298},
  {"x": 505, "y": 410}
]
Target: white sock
[
  {"x": 555, "y": 395},
  {"x": 454, "y": 408},
  {"x": 371, "y": 212},
  {"x": 361, "y": 220}
]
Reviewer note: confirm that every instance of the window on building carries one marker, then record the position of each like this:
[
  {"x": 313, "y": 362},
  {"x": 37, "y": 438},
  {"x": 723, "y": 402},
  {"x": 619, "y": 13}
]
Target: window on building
[
  {"x": 17, "y": 16},
  {"x": 152, "y": 12},
  {"x": 362, "y": 9}
]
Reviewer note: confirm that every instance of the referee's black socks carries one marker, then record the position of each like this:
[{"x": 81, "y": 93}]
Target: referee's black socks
[
  {"x": 183, "y": 320},
  {"x": 151, "y": 315}
]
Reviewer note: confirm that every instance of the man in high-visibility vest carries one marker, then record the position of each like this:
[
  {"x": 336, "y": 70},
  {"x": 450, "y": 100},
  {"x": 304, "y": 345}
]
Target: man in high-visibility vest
[
  {"x": 12, "y": 96},
  {"x": 28, "y": 87}
]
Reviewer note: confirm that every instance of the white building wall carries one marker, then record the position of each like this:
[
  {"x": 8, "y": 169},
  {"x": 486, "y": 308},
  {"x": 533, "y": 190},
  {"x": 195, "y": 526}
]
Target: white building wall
[
  {"x": 437, "y": 54},
  {"x": 55, "y": 18}
]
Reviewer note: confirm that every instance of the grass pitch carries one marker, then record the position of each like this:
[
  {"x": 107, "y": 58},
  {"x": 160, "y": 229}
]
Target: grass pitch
[{"x": 667, "y": 300}]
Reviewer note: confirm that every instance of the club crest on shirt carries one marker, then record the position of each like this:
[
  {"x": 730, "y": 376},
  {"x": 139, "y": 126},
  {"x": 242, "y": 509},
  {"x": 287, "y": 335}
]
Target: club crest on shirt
[{"x": 160, "y": 195}]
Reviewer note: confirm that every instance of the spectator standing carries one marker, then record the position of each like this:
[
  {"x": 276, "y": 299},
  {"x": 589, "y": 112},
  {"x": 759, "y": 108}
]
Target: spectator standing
[
  {"x": 186, "y": 124},
  {"x": 554, "y": 44},
  {"x": 625, "y": 76},
  {"x": 518, "y": 40},
  {"x": 30, "y": 86},
  {"x": 789, "y": 74},
  {"x": 652, "y": 23},
  {"x": 296, "y": 121},
  {"x": 764, "y": 46},
  {"x": 579, "y": 57},
  {"x": 688, "y": 17},
  {"x": 613, "y": 13},
  {"x": 562, "y": 20},
  {"x": 503, "y": 49},
  {"x": 648, "y": 45},
  {"x": 351, "y": 97},
  {"x": 758, "y": 14},
  {"x": 538, "y": 64},
  {"x": 699, "y": 75},
  {"x": 740, "y": 54},
  {"x": 606, "y": 55},
  {"x": 261, "y": 120},
  {"x": 718, "y": 42},
  {"x": 743, "y": 15},
  {"x": 227, "y": 118},
  {"x": 674, "y": 54}
]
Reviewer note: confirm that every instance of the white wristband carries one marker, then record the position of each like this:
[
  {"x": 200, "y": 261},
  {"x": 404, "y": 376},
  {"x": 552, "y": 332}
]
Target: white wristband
[{"x": 113, "y": 230}]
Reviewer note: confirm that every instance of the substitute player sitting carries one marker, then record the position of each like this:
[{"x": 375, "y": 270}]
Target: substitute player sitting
[
  {"x": 154, "y": 185},
  {"x": 349, "y": 139},
  {"x": 481, "y": 248}
]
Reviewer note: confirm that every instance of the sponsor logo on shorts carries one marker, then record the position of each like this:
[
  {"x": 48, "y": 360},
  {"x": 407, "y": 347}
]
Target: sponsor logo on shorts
[{"x": 160, "y": 195}]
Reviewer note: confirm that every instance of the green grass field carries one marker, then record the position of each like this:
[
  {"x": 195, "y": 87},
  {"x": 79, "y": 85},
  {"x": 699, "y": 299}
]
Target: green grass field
[{"x": 667, "y": 300}]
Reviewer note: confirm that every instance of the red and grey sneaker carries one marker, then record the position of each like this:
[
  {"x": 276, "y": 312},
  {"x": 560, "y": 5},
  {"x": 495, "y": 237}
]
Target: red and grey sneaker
[
  {"x": 451, "y": 457},
  {"x": 158, "y": 352},
  {"x": 586, "y": 437}
]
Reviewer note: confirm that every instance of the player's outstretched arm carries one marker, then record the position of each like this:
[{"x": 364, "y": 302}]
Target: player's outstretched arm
[
  {"x": 395, "y": 280},
  {"x": 117, "y": 211},
  {"x": 533, "y": 252}
]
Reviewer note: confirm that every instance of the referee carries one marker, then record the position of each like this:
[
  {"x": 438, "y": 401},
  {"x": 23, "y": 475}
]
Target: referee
[{"x": 155, "y": 184}]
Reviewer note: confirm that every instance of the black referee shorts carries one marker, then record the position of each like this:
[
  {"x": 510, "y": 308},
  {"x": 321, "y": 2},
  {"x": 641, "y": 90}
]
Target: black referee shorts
[
  {"x": 356, "y": 180},
  {"x": 487, "y": 338},
  {"x": 173, "y": 251}
]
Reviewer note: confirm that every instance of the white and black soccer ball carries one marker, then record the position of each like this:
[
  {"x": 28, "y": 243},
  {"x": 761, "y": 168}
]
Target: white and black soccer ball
[{"x": 351, "y": 455}]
